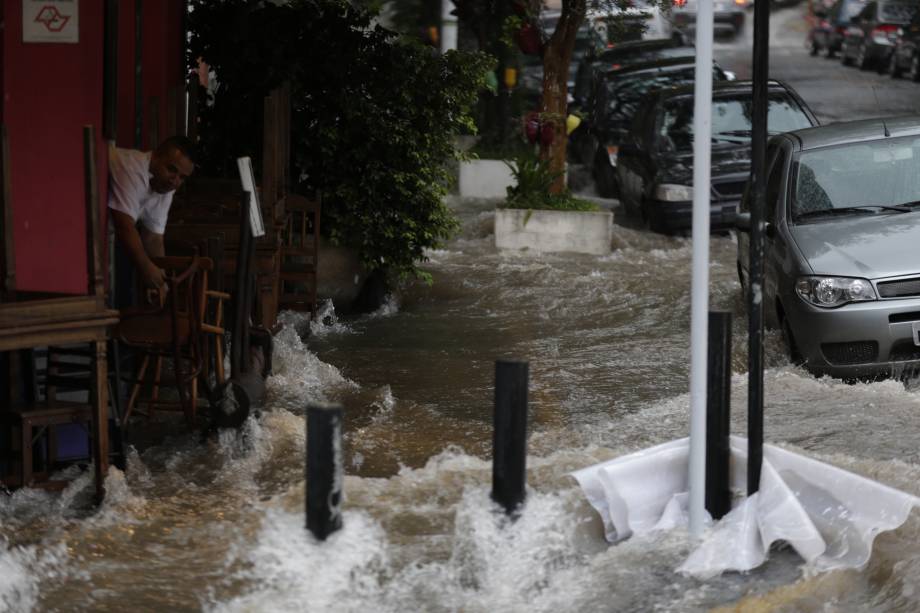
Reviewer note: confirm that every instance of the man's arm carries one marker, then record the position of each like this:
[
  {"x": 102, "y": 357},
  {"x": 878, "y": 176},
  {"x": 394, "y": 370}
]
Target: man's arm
[
  {"x": 153, "y": 243},
  {"x": 138, "y": 249}
]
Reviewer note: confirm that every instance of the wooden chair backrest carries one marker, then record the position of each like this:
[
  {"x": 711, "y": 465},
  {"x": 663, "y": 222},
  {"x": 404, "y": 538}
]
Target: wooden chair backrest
[{"x": 187, "y": 278}]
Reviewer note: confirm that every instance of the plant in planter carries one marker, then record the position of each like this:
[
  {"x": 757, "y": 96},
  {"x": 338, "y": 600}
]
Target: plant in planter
[
  {"x": 536, "y": 219},
  {"x": 533, "y": 178}
]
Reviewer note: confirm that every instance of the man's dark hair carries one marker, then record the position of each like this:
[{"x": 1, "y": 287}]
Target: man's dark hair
[{"x": 182, "y": 144}]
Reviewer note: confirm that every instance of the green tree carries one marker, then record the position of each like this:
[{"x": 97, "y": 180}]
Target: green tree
[{"x": 374, "y": 116}]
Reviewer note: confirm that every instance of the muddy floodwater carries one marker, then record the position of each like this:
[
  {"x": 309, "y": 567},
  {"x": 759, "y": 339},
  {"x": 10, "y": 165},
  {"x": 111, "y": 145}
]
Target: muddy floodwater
[{"x": 219, "y": 526}]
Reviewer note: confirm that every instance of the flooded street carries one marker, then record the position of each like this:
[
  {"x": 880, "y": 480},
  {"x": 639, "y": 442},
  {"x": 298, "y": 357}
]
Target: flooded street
[{"x": 219, "y": 525}]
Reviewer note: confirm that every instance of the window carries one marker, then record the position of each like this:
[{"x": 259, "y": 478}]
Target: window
[
  {"x": 775, "y": 164},
  {"x": 775, "y": 183},
  {"x": 731, "y": 119},
  {"x": 885, "y": 172}
]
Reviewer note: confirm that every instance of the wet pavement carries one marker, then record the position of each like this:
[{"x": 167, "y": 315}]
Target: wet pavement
[{"x": 220, "y": 525}]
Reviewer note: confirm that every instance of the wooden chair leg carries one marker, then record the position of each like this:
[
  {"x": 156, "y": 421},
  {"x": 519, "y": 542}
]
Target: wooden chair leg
[
  {"x": 51, "y": 450},
  {"x": 219, "y": 361},
  {"x": 135, "y": 389},
  {"x": 51, "y": 368},
  {"x": 26, "y": 468},
  {"x": 155, "y": 391},
  {"x": 193, "y": 406}
]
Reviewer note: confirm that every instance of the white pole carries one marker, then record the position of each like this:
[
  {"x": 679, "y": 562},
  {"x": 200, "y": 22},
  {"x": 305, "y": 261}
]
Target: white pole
[
  {"x": 699, "y": 287},
  {"x": 448, "y": 26}
]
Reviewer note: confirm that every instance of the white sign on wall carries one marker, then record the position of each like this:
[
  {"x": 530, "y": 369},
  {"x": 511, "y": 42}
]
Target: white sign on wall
[{"x": 50, "y": 21}]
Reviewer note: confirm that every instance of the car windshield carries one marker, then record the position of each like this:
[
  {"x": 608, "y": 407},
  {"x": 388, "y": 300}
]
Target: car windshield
[
  {"x": 853, "y": 8},
  {"x": 897, "y": 12},
  {"x": 626, "y": 93},
  {"x": 882, "y": 173},
  {"x": 731, "y": 120}
]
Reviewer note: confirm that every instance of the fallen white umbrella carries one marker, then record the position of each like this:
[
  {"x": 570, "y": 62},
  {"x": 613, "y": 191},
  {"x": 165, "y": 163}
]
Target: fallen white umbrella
[{"x": 828, "y": 515}]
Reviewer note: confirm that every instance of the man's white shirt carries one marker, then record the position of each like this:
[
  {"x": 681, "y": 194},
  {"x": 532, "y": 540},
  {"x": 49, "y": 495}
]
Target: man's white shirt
[{"x": 129, "y": 189}]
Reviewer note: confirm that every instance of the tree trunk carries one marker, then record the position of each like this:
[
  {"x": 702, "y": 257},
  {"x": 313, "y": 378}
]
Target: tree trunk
[{"x": 556, "y": 58}]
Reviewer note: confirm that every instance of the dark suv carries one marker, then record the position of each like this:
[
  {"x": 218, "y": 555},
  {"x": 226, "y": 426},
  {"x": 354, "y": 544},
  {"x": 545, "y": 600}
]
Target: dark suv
[
  {"x": 906, "y": 54},
  {"x": 873, "y": 32},
  {"x": 618, "y": 95},
  {"x": 620, "y": 56},
  {"x": 655, "y": 165}
]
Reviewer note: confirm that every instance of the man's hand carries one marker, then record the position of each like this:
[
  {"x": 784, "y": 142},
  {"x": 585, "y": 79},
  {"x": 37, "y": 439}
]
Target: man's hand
[{"x": 154, "y": 276}]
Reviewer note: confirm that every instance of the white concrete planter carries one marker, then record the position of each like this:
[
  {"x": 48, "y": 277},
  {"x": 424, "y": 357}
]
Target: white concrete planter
[
  {"x": 485, "y": 179},
  {"x": 550, "y": 231}
]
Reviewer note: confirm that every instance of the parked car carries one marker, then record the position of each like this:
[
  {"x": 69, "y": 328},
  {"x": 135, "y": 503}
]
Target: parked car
[
  {"x": 905, "y": 57},
  {"x": 873, "y": 31},
  {"x": 620, "y": 56},
  {"x": 655, "y": 165},
  {"x": 643, "y": 20},
  {"x": 728, "y": 16},
  {"x": 827, "y": 34},
  {"x": 619, "y": 93},
  {"x": 843, "y": 213}
]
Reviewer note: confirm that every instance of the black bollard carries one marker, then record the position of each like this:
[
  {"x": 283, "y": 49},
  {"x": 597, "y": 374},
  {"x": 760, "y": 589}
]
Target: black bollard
[
  {"x": 324, "y": 470},
  {"x": 509, "y": 456},
  {"x": 718, "y": 414}
]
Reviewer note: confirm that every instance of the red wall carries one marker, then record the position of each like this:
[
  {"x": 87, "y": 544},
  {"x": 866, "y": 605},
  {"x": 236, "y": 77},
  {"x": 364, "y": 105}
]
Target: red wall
[
  {"x": 50, "y": 92},
  {"x": 125, "y": 125}
]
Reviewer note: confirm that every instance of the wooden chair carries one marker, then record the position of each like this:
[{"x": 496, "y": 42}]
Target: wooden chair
[
  {"x": 174, "y": 330},
  {"x": 300, "y": 254}
]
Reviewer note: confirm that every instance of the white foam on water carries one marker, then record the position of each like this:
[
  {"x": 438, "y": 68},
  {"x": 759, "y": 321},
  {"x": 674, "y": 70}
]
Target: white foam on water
[
  {"x": 389, "y": 307},
  {"x": 325, "y": 322},
  {"x": 24, "y": 572},
  {"x": 287, "y": 569},
  {"x": 384, "y": 405},
  {"x": 452, "y": 549},
  {"x": 121, "y": 503},
  {"x": 298, "y": 375}
]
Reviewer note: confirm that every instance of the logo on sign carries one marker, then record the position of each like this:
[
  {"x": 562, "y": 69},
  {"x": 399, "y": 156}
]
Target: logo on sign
[{"x": 52, "y": 19}]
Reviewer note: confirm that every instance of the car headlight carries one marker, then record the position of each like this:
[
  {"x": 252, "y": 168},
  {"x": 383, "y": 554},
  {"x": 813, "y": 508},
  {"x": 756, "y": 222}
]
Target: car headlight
[
  {"x": 668, "y": 192},
  {"x": 832, "y": 292}
]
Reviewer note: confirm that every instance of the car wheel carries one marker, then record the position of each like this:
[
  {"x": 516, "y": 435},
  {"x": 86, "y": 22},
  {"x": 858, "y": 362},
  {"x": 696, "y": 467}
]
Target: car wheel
[
  {"x": 915, "y": 68},
  {"x": 882, "y": 66},
  {"x": 862, "y": 58},
  {"x": 644, "y": 216},
  {"x": 604, "y": 182},
  {"x": 893, "y": 67},
  {"x": 792, "y": 350},
  {"x": 845, "y": 57},
  {"x": 814, "y": 48}
]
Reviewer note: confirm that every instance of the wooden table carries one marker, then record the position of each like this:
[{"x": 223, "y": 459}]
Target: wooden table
[{"x": 29, "y": 323}]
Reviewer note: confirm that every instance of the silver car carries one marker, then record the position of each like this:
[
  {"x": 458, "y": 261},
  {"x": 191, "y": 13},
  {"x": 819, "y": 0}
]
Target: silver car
[{"x": 842, "y": 246}]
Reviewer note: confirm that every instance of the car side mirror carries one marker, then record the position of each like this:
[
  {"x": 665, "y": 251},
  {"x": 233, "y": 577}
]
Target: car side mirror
[{"x": 743, "y": 222}]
